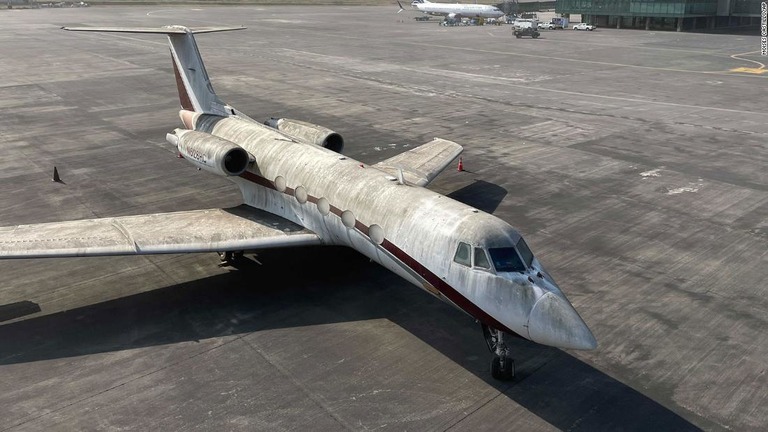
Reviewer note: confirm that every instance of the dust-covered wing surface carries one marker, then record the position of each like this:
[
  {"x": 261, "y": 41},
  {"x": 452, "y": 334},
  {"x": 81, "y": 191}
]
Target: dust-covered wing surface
[
  {"x": 211, "y": 230},
  {"x": 158, "y": 30},
  {"x": 423, "y": 163}
]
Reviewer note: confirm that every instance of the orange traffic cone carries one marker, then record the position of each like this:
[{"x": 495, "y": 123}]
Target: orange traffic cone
[{"x": 461, "y": 165}]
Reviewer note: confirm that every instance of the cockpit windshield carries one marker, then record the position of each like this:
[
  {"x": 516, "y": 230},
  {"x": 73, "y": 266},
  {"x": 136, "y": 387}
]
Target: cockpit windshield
[
  {"x": 525, "y": 252},
  {"x": 481, "y": 261},
  {"x": 506, "y": 259}
]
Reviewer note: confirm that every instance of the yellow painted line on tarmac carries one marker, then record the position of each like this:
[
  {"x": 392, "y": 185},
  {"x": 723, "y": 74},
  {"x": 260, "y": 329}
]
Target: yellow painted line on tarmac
[
  {"x": 756, "y": 71},
  {"x": 750, "y": 70}
]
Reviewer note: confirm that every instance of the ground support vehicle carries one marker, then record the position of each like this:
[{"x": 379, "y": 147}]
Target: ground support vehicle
[{"x": 526, "y": 27}]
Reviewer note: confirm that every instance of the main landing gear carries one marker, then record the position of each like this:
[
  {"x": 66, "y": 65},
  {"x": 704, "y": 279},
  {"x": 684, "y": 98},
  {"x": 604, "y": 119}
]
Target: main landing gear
[
  {"x": 230, "y": 259},
  {"x": 502, "y": 365}
]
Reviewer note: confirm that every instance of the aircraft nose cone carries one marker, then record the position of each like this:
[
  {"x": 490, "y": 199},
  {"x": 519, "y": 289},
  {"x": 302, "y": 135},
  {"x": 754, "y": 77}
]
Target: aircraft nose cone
[{"x": 554, "y": 322}]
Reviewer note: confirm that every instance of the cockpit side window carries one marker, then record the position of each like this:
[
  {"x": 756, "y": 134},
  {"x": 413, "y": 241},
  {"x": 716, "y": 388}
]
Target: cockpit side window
[
  {"x": 481, "y": 260},
  {"x": 506, "y": 260},
  {"x": 525, "y": 252},
  {"x": 463, "y": 254}
]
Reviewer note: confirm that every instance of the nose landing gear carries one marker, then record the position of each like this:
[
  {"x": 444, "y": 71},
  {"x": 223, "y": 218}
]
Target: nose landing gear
[{"x": 502, "y": 365}]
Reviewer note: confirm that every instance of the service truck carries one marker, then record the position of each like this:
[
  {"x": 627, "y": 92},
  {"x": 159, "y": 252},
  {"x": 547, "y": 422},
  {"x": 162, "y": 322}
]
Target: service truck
[{"x": 559, "y": 23}]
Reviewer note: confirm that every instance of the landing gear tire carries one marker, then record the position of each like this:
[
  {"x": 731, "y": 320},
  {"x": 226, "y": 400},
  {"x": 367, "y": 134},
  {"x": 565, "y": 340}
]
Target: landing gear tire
[
  {"x": 500, "y": 373},
  {"x": 502, "y": 365}
]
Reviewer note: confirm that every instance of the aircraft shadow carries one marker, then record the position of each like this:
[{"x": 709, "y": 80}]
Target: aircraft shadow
[
  {"x": 17, "y": 310},
  {"x": 481, "y": 195},
  {"x": 334, "y": 285}
]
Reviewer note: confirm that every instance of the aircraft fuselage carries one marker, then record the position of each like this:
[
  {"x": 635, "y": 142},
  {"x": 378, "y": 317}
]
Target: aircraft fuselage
[
  {"x": 295, "y": 170},
  {"x": 410, "y": 230},
  {"x": 463, "y": 10}
]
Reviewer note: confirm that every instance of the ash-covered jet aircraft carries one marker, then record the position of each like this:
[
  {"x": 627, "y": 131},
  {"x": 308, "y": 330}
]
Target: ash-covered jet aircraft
[
  {"x": 455, "y": 10},
  {"x": 298, "y": 189}
]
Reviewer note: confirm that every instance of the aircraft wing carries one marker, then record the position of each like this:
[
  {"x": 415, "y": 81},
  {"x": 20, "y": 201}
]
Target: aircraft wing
[
  {"x": 423, "y": 163},
  {"x": 212, "y": 230}
]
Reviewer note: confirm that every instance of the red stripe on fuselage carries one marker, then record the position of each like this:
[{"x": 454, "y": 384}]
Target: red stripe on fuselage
[
  {"x": 445, "y": 289},
  {"x": 259, "y": 180}
]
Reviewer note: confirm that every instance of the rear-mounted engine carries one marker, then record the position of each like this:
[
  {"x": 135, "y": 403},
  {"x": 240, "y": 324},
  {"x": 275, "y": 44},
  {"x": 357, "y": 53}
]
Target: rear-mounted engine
[
  {"x": 209, "y": 152},
  {"x": 308, "y": 133}
]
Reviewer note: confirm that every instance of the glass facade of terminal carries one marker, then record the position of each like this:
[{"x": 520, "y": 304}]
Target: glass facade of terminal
[
  {"x": 682, "y": 14},
  {"x": 661, "y": 8},
  {"x": 745, "y": 7}
]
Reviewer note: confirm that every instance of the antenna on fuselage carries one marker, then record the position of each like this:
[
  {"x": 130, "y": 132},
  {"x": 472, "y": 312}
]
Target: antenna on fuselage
[{"x": 400, "y": 176}]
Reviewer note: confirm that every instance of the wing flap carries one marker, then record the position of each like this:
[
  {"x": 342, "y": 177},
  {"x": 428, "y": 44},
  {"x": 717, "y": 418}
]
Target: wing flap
[
  {"x": 423, "y": 163},
  {"x": 212, "y": 230}
]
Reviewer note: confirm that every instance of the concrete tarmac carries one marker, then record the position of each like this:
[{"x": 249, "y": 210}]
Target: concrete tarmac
[{"x": 633, "y": 162}]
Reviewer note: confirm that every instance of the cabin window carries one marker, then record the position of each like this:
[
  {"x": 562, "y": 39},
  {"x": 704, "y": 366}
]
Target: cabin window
[
  {"x": 481, "y": 260},
  {"x": 463, "y": 255},
  {"x": 525, "y": 252},
  {"x": 506, "y": 260}
]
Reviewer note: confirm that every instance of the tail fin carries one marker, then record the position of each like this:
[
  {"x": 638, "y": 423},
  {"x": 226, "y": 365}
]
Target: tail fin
[{"x": 195, "y": 89}]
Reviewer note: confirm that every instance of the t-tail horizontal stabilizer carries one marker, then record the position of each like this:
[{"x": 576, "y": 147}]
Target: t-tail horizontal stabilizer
[{"x": 194, "y": 86}]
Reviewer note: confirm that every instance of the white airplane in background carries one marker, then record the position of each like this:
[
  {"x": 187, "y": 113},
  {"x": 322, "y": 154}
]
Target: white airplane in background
[
  {"x": 455, "y": 10},
  {"x": 298, "y": 189}
]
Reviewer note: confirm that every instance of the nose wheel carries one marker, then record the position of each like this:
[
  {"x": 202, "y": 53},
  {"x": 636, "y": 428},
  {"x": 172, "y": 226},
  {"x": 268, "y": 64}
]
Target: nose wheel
[{"x": 502, "y": 365}]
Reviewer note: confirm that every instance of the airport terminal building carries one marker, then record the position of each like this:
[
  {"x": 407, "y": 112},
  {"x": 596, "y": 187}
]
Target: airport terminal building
[{"x": 677, "y": 15}]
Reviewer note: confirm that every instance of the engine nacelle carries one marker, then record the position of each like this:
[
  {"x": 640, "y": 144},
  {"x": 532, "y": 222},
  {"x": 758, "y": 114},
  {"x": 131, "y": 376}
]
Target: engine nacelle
[
  {"x": 308, "y": 133},
  {"x": 209, "y": 152}
]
